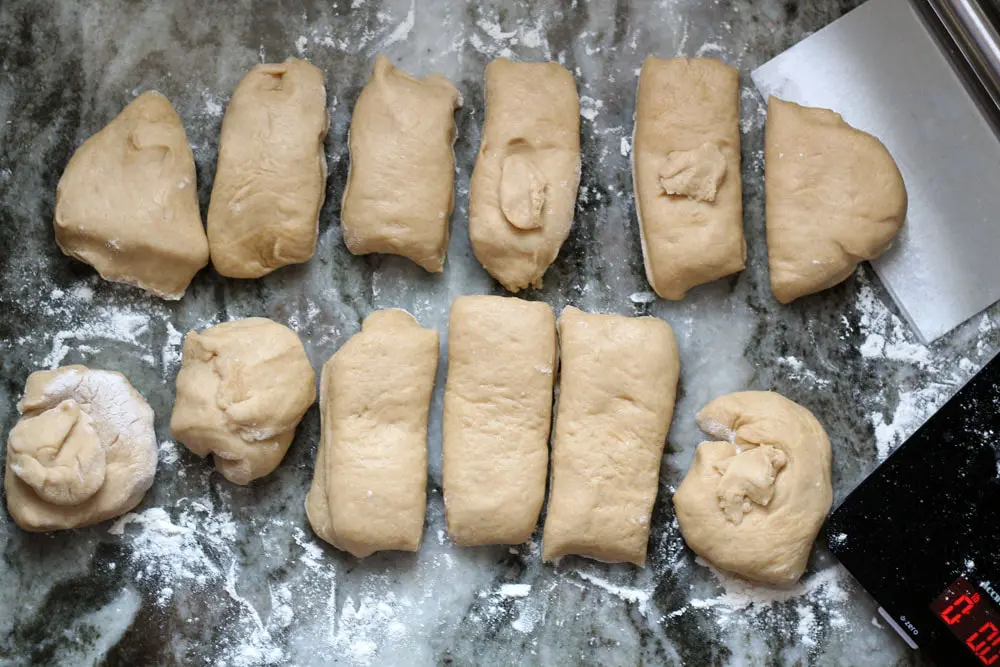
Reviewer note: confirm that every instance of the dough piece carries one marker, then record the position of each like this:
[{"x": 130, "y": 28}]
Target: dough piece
[
  {"x": 271, "y": 179},
  {"x": 616, "y": 400},
  {"x": 834, "y": 198},
  {"x": 83, "y": 451},
  {"x": 752, "y": 502},
  {"x": 241, "y": 391},
  {"x": 686, "y": 173},
  {"x": 401, "y": 185},
  {"x": 127, "y": 203},
  {"x": 369, "y": 490},
  {"x": 497, "y": 413},
  {"x": 523, "y": 189}
]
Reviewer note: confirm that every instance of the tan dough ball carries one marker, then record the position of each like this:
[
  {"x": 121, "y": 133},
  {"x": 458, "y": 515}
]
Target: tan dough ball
[
  {"x": 754, "y": 500},
  {"x": 834, "y": 198},
  {"x": 270, "y": 181},
  {"x": 241, "y": 391},
  {"x": 83, "y": 451},
  {"x": 400, "y": 188},
  {"x": 127, "y": 203}
]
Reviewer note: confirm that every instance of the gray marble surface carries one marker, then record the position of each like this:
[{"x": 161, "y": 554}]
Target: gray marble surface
[{"x": 205, "y": 572}]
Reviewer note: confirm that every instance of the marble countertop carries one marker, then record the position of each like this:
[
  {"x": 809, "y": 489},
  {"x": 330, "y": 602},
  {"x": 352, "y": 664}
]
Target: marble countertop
[{"x": 205, "y": 572}]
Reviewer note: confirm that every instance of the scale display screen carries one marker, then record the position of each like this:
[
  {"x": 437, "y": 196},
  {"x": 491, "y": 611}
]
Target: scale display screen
[
  {"x": 971, "y": 617},
  {"x": 920, "y": 532}
]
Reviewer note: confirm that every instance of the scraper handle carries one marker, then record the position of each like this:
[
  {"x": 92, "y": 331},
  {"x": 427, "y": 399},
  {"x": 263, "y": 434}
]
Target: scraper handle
[{"x": 969, "y": 30}]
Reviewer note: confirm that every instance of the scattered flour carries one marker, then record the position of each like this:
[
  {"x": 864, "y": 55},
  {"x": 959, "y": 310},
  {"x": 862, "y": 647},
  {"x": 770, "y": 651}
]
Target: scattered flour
[
  {"x": 590, "y": 108},
  {"x": 887, "y": 336},
  {"x": 402, "y": 31},
  {"x": 495, "y": 42},
  {"x": 514, "y": 590},
  {"x": 196, "y": 549},
  {"x": 122, "y": 325},
  {"x": 934, "y": 379},
  {"x": 709, "y": 47},
  {"x": 742, "y": 602},
  {"x": 312, "y": 553},
  {"x": 798, "y": 371},
  {"x": 170, "y": 355},
  {"x": 807, "y": 625},
  {"x": 754, "y": 112},
  {"x": 213, "y": 107},
  {"x": 635, "y": 596},
  {"x": 168, "y": 453},
  {"x": 642, "y": 297}
]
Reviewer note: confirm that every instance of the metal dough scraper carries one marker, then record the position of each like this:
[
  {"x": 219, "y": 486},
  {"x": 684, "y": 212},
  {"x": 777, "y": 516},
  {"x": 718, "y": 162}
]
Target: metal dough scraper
[{"x": 924, "y": 77}]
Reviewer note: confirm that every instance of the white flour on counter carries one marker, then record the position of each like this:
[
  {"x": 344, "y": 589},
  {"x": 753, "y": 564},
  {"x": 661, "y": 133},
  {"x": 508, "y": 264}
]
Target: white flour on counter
[
  {"x": 901, "y": 409},
  {"x": 818, "y": 602},
  {"x": 197, "y": 549}
]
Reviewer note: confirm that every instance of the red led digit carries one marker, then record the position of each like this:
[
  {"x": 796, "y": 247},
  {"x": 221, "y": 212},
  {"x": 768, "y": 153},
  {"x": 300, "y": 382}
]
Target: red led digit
[
  {"x": 985, "y": 647},
  {"x": 971, "y": 617},
  {"x": 989, "y": 655},
  {"x": 996, "y": 654},
  {"x": 957, "y": 609}
]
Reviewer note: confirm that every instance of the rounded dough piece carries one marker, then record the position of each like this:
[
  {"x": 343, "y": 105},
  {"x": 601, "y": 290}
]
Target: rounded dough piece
[
  {"x": 241, "y": 391},
  {"x": 400, "y": 188},
  {"x": 752, "y": 502},
  {"x": 58, "y": 454},
  {"x": 127, "y": 203},
  {"x": 834, "y": 197},
  {"x": 270, "y": 181},
  {"x": 83, "y": 451}
]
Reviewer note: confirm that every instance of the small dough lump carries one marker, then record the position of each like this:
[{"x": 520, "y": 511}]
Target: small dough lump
[
  {"x": 127, "y": 203},
  {"x": 271, "y": 179},
  {"x": 834, "y": 198},
  {"x": 83, "y": 451},
  {"x": 755, "y": 498},
  {"x": 241, "y": 391}
]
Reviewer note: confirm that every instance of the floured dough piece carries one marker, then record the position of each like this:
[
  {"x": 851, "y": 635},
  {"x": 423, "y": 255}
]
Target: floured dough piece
[
  {"x": 83, "y": 451},
  {"x": 127, "y": 203},
  {"x": 401, "y": 185},
  {"x": 270, "y": 182},
  {"x": 241, "y": 391},
  {"x": 686, "y": 171},
  {"x": 523, "y": 189},
  {"x": 497, "y": 413},
  {"x": 752, "y": 502},
  {"x": 834, "y": 198},
  {"x": 369, "y": 489},
  {"x": 617, "y": 383}
]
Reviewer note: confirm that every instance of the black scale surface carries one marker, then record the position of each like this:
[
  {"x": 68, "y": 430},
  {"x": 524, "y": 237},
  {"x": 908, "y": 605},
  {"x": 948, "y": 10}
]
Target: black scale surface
[{"x": 924, "y": 529}]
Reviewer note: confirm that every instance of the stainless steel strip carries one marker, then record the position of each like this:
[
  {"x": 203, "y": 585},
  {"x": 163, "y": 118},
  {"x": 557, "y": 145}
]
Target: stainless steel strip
[{"x": 972, "y": 27}]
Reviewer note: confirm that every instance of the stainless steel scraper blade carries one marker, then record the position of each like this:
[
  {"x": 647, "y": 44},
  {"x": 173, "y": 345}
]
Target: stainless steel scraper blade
[{"x": 881, "y": 68}]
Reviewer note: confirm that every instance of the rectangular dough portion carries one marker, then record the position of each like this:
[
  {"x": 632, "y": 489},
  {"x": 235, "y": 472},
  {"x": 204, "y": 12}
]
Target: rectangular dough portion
[
  {"x": 497, "y": 414},
  {"x": 369, "y": 488},
  {"x": 686, "y": 173},
  {"x": 400, "y": 187},
  {"x": 270, "y": 181},
  {"x": 522, "y": 194},
  {"x": 618, "y": 378}
]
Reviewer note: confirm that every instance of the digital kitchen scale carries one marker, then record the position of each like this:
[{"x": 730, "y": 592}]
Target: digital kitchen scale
[{"x": 922, "y": 532}]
